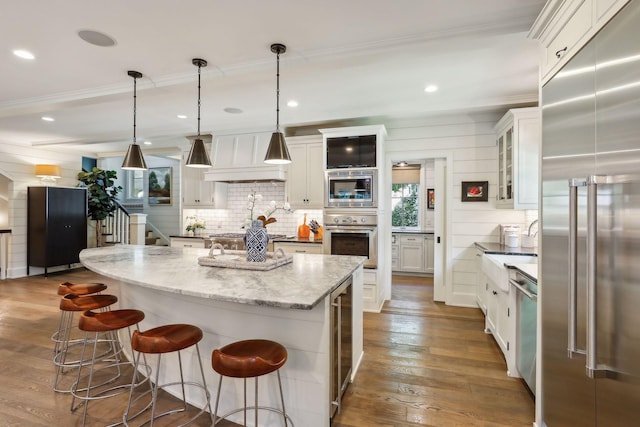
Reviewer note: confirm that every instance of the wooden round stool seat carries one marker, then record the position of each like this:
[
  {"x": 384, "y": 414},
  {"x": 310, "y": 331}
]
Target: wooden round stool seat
[
  {"x": 73, "y": 302},
  {"x": 109, "y": 320},
  {"x": 248, "y": 358},
  {"x": 80, "y": 288},
  {"x": 161, "y": 340},
  {"x": 166, "y": 339}
]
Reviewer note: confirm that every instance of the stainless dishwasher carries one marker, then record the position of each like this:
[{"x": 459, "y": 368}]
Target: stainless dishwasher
[{"x": 526, "y": 329}]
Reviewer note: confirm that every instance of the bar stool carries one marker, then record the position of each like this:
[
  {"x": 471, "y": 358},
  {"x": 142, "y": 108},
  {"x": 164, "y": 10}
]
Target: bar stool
[
  {"x": 108, "y": 322},
  {"x": 249, "y": 359},
  {"x": 79, "y": 289},
  {"x": 161, "y": 340},
  {"x": 70, "y": 304}
]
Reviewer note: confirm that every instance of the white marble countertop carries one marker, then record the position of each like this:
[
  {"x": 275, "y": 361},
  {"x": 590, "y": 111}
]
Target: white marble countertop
[{"x": 301, "y": 284}]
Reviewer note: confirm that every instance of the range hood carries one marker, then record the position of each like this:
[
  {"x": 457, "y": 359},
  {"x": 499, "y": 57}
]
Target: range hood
[{"x": 240, "y": 158}]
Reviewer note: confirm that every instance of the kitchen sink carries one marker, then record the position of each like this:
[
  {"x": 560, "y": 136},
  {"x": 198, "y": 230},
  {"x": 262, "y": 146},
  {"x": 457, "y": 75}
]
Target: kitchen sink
[{"x": 493, "y": 267}]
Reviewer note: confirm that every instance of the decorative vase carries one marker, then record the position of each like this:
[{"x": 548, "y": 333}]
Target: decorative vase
[
  {"x": 197, "y": 231},
  {"x": 256, "y": 241}
]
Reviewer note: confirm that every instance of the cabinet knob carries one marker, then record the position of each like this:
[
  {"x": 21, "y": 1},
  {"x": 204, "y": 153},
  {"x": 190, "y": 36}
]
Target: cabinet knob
[{"x": 495, "y": 292}]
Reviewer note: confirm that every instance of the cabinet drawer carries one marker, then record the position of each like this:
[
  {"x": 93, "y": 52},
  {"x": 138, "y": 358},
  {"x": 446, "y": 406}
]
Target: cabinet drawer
[
  {"x": 578, "y": 22},
  {"x": 394, "y": 251},
  {"x": 370, "y": 276},
  {"x": 411, "y": 239},
  {"x": 187, "y": 243},
  {"x": 299, "y": 248}
]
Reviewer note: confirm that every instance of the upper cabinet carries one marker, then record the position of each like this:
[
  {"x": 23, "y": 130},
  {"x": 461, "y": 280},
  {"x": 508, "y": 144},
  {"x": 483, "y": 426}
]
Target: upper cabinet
[
  {"x": 305, "y": 176},
  {"x": 198, "y": 193},
  {"x": 564, "y": 26},
  {"x": 518, "y": 141}
]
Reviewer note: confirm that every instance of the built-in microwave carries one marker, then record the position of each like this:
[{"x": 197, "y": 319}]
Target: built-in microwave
[{"x": 351, "y": 189}]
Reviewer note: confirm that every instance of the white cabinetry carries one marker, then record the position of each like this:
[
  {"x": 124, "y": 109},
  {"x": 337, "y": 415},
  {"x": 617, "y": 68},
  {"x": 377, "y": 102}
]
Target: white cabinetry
[
  {"x": 186, "y": 242},
  {"x": 412, "y": 253},
  {"x": 298, "y": 247},
  {"x": 305, "y": 177},
  {"x": 482, "y": 287},
  {"x": 564, "y": 26},
  {"x": 198, "y": 193},
  {"x": 518, "y": 141},
  {"x": 236, "y": 157}
]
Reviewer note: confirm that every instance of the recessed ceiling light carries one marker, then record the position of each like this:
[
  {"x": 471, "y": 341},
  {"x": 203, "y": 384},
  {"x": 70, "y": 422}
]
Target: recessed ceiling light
[
  {"x": 148, "y": 143},
  {"x": 96, "y": 38},
  {"x": 48, "y": 119},
  {"x": 431, "y": 88},
  {"x": 232, "y": 110},
  {"x": 292, "y": 103},
  {"x": 182, "y": 116},
  {"x": 24, "y": 54}
]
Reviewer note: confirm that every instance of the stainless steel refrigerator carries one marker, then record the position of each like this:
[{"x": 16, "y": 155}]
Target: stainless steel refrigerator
[{"x": 590, "y": 244}]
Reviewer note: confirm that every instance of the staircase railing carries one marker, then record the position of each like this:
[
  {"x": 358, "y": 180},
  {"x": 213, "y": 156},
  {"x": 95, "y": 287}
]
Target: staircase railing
[{"x": 116, "y": 228}]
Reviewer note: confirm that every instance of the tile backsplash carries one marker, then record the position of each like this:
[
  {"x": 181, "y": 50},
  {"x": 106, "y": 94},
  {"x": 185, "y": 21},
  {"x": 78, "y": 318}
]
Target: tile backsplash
[{"x": 231, "y": 219}]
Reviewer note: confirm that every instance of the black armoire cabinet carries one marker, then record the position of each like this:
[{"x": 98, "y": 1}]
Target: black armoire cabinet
[{"x": 56, "y": 225}]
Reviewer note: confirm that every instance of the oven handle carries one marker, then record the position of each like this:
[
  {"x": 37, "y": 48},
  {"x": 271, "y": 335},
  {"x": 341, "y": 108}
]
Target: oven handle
[{"x": 350, "y": 229}]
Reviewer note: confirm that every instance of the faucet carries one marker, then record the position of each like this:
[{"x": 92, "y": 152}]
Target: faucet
[{"x": 531, "y": 225}]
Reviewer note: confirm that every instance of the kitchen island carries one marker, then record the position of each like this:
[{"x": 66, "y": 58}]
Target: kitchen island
[{"x": 289, "y": 304}]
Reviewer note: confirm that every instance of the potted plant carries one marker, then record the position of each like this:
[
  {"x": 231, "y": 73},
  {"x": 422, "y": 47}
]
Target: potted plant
[{"x": 102, "y": 192}]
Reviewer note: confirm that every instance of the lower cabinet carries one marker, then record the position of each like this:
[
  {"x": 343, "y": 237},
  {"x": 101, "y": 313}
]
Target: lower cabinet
[
  {"x": 500, "y": 321},
  {"x": 482, "y": 287},
  {"x": 412, "y": 253},
  {"x": 298, "y": 247}
]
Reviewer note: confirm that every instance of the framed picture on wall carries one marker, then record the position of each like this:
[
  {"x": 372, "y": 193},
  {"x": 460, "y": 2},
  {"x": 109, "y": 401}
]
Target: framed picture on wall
[
  {"x": 160, "y": 186},
  {"x": 475, "y": 191},
  {"x": 431, "y": 198}
]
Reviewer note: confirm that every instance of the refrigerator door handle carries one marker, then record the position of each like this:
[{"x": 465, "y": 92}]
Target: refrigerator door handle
[
  {"x": 572, "y": 332},
  {"x": 592, "y": 370}
]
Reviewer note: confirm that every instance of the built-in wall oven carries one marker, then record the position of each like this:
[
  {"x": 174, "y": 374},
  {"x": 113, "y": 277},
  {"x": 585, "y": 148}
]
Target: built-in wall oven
[
  {"x": 352, "y": 233},
  {"x": 351, "y": 188}
]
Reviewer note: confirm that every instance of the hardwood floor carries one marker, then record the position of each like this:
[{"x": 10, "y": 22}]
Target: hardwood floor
[
  {"x": 425, "y": 364},
  {"x": 428, "y": 364}
]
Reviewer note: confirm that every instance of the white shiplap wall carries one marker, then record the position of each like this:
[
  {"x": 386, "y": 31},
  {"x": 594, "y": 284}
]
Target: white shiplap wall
[
  {"x": 469, "y": 141},
  {"x": 17, "y": 163}
]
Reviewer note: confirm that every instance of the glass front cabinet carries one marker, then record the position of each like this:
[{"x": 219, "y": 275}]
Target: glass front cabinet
[{"x": 518, "y": 142}]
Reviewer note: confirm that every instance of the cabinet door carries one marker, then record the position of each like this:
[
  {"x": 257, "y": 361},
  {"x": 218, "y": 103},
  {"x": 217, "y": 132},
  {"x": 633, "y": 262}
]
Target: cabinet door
[
  {"x": 491, "y": 320},
  {"x": 66, "y": 225},
  {"x": 191, "y": 178},
  {"x": 412, "y": 254},
  {"x": 297, "y": 176},
  {"x": 315, "y": 176},
  {"x": 482, "y": 288}
]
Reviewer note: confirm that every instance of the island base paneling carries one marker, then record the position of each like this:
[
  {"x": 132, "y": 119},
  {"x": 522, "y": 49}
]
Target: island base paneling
[{"x": 304, "y": 333}]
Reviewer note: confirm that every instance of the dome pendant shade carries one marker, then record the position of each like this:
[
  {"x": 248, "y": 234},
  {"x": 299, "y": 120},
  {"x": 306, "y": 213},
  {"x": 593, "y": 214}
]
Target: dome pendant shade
[
  {"x": 277, "y": 153},
  {"x": 134, "y": 159},
  {"x": 198, "y": 156}
]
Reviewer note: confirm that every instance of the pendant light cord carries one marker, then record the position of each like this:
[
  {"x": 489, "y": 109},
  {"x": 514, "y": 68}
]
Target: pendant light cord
[
  {"x": 278, "y": 91},
  {"x": 134, "y": 108},
  {"x": 199, "y": 67}
]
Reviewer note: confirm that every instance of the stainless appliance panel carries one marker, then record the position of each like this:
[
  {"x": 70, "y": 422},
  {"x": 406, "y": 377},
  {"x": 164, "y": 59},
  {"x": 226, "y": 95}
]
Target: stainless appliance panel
[
  {"x": 527, "y": 309},
  {"x": 603, "y": 389},
  {"x": 568, "y": 134},
  {"x": 351, "y": 189},
  {"x": 346, "y": 234},
  {"x": 617, "y": 80},
  {"x": 341, "y": 342}
]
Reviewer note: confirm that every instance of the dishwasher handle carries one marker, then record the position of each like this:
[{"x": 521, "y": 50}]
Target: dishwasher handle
[{"x": 531, "y": 296}]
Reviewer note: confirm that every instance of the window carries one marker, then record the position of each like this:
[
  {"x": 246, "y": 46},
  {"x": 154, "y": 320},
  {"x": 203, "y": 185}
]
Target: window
[
  {"x": 405, "y": 210},
  {"x": 134, "y": 184}
]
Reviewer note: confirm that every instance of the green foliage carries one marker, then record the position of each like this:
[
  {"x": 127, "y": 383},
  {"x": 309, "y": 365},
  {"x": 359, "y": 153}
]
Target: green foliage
[
  {"x": 406, "y": 211},
  {"x": 102, "y": 192}
]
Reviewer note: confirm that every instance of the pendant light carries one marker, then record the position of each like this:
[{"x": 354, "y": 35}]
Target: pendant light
[
  {"x": 198, "y": 156},
  {"x": 134, "y": 159},
  {"x": 278, "y": 153}
]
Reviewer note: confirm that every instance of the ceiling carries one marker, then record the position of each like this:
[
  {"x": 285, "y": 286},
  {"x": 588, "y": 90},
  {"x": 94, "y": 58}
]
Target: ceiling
[{"x": 345, "y": 60}]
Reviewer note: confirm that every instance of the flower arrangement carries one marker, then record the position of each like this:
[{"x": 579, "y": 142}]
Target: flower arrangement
[
  {"x": 265, "y": 217},
  {"x": 195, "y": 224}
]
